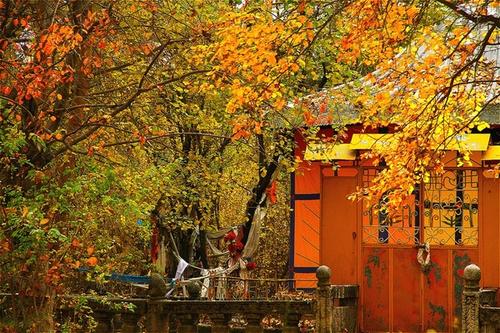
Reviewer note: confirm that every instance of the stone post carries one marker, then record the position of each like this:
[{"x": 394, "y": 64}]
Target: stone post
[
  {"x": 325, "y": 303},
  {"x": 254, "y": 320},
  {"x": 116, "y": 323},
  {"x": 470, "y": 299},
  {"x": 157, "y": 321},
  {"x": 220, "y": 322}
]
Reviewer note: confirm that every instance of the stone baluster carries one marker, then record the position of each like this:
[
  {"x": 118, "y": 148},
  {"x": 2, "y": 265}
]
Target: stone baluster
[
  {"x": 188, "y": 323},
  {"x": 116, "y": 323},
  {"x": 172, "y": 323},
  {"x": 324, "y": 303},
  {"x": 254, "y": 320},
  {"x": 156, "y": 319},
  {"x": 291, "y": 324},
  {"x": 220, "y": 322},
  {"x": 204, "y": 328},
  {"x": 470, "y": 299}
]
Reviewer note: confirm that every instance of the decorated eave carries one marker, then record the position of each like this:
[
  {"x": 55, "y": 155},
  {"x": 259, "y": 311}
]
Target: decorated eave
[{"x": 486, "y": 143}]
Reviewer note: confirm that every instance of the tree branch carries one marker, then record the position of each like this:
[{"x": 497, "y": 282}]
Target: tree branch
[{"x": 469, "y": 16}]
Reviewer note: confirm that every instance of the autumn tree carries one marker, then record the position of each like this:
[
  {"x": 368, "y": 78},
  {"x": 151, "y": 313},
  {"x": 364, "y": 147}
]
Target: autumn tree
[
  {"x": 71, "y": 72},
  {"x": 109, "y": 106},
  {"x": 113, "y": 109},
  {"x": 427, "y": 68}
]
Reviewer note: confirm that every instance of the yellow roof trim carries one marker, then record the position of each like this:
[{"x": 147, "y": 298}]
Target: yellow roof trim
[
  {"x": 473, "y": 142},
  {"x": 368, "y": 141},
  {"x": 492, "y": 154},
  {"x": 329, "y": 151}
]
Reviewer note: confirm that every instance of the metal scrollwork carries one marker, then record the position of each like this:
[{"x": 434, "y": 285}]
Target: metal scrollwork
[
  {"x": 451, "y": 208},
  {"x": 447, "y": 213}
]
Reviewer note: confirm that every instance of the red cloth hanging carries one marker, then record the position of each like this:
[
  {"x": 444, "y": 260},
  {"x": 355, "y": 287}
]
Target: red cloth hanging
[{"x": 271, "y": 193}]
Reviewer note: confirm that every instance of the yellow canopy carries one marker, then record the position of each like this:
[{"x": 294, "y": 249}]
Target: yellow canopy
[
  {"x": 329, "y": 151},
  {"x": 492, "y": 154},
  {"x": 473, "y": 142}
]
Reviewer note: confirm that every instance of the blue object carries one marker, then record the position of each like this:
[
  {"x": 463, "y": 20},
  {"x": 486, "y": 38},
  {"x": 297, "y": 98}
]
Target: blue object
[{"x": 138, "y": 279}]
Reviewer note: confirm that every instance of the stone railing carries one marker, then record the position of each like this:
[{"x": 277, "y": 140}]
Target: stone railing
[
  {"x": 479, "y": 313},
  {"x": 332, "y": 309}
]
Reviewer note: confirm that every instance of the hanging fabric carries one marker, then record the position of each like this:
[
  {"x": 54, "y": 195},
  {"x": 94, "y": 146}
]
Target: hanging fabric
[
  {"x": 181, "y": 267},
  {"x": 425, "y": 263}
]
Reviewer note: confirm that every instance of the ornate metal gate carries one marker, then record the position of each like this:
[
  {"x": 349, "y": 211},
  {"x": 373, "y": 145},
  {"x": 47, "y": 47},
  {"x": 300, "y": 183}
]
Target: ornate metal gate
[{"x": 402, "y": 287}]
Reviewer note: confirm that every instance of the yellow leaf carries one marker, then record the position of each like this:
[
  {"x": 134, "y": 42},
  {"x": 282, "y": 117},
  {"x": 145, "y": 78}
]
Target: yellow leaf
[
  {"x": 482, "y": 125},
  {"x": 59, "y": 97},
  {"x": 25, "y": 211},
  {"x": 410, "y": 189},
  {"x": 44, "y": 221}
]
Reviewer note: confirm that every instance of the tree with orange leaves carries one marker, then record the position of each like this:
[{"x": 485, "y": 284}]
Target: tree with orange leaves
[
  {"x": 430, "y": 69},
  {"x": 107, "y": 107}
]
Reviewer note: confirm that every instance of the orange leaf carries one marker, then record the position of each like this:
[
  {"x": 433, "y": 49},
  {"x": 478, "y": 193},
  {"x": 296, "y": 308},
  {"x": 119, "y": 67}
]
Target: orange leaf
[
  {"x": 75, "y": 242},
  {"x": 44, "y": 221},
  {"x": 90, "y": 250},
  {"x": 309, "y": 118},
  {"x": 322, "y": 108},
  {"x": 92, "y": 261}
]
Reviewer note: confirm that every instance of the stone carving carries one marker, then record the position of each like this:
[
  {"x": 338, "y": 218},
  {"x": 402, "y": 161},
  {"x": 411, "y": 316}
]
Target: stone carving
[{"x": 470, "y": 299}]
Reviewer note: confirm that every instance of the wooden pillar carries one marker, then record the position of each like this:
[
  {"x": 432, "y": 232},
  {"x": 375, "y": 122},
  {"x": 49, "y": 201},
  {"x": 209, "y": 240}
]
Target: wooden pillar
[
  {"x": 470, "y": 299},
  {"x": 325, "y": 304}
]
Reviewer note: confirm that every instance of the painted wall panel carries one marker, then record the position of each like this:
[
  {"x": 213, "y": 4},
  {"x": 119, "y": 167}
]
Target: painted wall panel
[
  {"x": 307, "y": 178},
  {"x": 307, "y": 215},
  {"x": 406, "y": 291},
  {"x": 305, "y": 280},
  {"x": 435, "y": 290},
  {"x": 375, "y": 285},
  {"x": 490, "y": 210}
]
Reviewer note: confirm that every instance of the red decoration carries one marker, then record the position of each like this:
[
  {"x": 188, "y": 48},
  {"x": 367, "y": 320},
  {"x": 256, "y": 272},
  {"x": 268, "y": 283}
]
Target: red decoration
[
  {"x": 234, "y": 243},
  {"x": 251, "y": 265},
  {"x": 235, "y": 247},
  {"x": 271, "y": 193},
  {"x": 230, "y": 236}
]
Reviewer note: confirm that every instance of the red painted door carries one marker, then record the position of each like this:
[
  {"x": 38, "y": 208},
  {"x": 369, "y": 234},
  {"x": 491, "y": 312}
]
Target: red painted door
[{"x": 399, "y": 294}]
